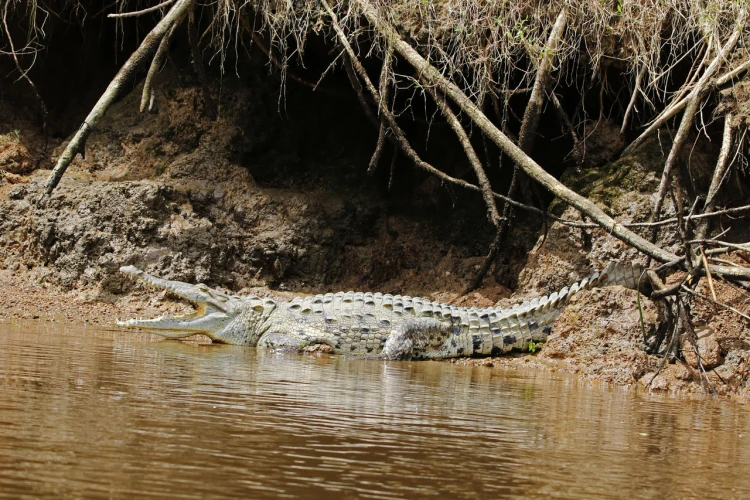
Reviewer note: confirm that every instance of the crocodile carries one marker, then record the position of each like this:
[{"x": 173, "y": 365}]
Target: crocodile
[{"x": 376, "y": 325}]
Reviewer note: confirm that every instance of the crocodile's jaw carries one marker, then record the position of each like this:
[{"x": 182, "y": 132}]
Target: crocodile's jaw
[
  {"x": 214, "y": 309},
  {"x": 207, "y": 324}
]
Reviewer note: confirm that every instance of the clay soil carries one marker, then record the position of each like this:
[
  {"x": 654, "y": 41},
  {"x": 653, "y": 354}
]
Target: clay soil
[{"x": 244, "y": 205}]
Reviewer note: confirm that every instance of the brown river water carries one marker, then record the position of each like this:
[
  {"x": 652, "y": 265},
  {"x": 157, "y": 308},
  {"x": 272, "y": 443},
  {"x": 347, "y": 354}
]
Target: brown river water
[{"x": 93, "y": 413}]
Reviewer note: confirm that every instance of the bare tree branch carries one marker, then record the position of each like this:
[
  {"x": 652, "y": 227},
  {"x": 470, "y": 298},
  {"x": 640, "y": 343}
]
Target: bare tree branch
[
  {"x": 385, "y": 97},
  {"x": 148, "y": 46},
  {"x": 633, "y": 98}
]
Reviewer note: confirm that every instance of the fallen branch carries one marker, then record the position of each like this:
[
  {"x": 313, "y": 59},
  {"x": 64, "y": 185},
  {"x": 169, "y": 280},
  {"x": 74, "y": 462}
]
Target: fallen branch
[
  {"x": 682, "y": 229},
  {"x": 533, "y": 110},
  {"x": 434, "y": 77},
  {"x": 148, "y": 46},
  {"x": 733, "y": 74},
  {"x": 476, "y": 164},
  {"x": 500, "y": 223},
  {"x": 719, "y": 172},
  {"x": 357, "y": 86},
  {"x": 565, "y": 119},
  {"x": 744, "y": 247},
  {"x": 526, "y": 137}
]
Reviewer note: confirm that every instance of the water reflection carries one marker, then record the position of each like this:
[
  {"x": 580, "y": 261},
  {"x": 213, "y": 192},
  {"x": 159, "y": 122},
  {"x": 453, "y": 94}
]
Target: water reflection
[{"x": 99, "y": 413}]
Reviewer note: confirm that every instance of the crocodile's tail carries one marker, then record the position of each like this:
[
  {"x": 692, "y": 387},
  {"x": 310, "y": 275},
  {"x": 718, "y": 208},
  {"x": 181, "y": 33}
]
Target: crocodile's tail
[
  {"x": 624, "y": 274},
  {"x": 517, "y": 327}
]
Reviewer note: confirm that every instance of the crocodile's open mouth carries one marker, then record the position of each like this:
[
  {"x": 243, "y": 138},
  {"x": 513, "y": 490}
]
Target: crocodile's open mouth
[{"x": 208, "y": 317}]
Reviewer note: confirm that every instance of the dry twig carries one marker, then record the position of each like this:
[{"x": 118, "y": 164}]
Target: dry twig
[
  {"x": 385, "y": 97},
  {"x": 142, "y": 11}
]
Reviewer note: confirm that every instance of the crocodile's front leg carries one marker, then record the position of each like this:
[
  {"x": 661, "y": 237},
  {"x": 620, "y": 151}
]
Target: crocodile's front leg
[
  {"x": 285, "y": 341},
  {"x": 409, "y": 338},
  {"x": 280, "y": 341}
]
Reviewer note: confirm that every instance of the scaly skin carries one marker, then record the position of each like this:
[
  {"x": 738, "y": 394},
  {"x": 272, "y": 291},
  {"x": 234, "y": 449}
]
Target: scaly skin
[{"x": 369, "y": 324}]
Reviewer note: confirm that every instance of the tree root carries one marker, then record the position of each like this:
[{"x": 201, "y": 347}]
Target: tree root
[
  {"x": 476, "y": 164},
  {"x": 672, "y": 110},
  {"x": 633, "y": 98},
  {"x": 526, "y": 138},
  {"x": 279, "y": 65},
  {"x": 357, "y": 86},
  {"x": 720, "y": 171},
  {"x": 142, "y": 11}
]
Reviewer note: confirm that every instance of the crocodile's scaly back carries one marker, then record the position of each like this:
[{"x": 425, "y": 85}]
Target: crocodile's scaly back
[{"x": 361, "y": 323}]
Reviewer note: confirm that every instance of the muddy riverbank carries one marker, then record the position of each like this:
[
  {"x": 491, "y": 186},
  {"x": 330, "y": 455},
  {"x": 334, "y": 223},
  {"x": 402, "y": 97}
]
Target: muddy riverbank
[{"x": 258, "y": 203}]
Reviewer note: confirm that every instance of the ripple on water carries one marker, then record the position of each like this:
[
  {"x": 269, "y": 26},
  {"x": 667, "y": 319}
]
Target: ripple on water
[{"x": 95, "y": 413}]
